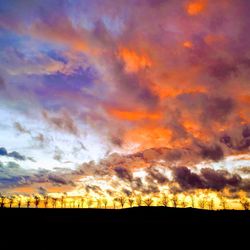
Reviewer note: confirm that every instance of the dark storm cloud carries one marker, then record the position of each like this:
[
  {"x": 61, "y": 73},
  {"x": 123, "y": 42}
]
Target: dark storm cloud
[
  {"x": 214, "y": 153},
  {"x": 123, "y": 173},
  {"x": 218, "y": 179},
  {"x": 218, "y": 108},
  {"x": 3, "y": 152},
  {"x": 59, "y": 179},
  {"x": 155, "y": 174},
  {"x": 11, "y": 175},
  {"x": 237, "y": 143},
  {"x": 14, "y": 154},
  {"x": 126, "y": 191},
  {"x": 150, "y": 189},
  {"x": 207, "y": 178},
  {"x": 245, "y": 185},
  {"x": 246, "y": 132},
  {"x": 137, "y": 183},
  {"x": 186, "y": 179},
  {"x": 94, "y": 188}
]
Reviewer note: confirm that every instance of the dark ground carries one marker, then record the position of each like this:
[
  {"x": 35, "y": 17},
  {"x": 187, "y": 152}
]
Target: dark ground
[
  {"x": 136, "y": 215},
  {"x": 136, "y": 228},
  {"x": 143, "y": 225}
]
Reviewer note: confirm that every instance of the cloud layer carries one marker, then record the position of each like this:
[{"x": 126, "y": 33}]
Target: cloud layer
[{"x": 159, "y": 83}]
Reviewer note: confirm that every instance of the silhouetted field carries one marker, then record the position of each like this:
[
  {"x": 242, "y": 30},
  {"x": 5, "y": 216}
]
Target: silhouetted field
[
  {"x": 136, "y": 215},
  {"x": 143, "y": 226}
]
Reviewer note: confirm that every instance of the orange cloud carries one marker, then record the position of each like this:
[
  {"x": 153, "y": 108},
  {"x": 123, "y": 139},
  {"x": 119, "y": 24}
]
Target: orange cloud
[
  {"x": 188, "y": 44},
  {"x": 195, "y": 129},
  {"x": 134, "y": 115},
  {"x": 172, "y": 91},
  {"x": 133, "y": 61},
  {"x": 148, "y": 137},
  {"x": 244, "y": 110},
  {"x": 24, "y": 189},
  {"x": 195, "y": 7},
  {"x": 63, "y": 32},
  {"x": 212, "y": 38},
  {"x": 245, "y": 98}
]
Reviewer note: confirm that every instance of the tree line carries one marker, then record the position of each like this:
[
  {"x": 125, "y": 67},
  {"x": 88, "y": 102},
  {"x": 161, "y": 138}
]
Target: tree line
[{"x": 122, "y": 201}]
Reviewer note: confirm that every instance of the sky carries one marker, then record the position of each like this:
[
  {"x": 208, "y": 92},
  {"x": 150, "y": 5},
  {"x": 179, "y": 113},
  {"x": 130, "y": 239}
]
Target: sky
[{"x": 103, "y": 97}]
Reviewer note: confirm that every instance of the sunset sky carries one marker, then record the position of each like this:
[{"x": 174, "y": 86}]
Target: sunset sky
[{"x": 130, "y": 96}]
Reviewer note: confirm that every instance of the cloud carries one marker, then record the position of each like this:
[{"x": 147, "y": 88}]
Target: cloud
[
  {"x": 186, "y": 179},
  {"x": 96, "y": 189},
  {"x": 172, "y": 92},
  {"x": 2, "y": 83},
  {"x": 155, "y": 174},
  {"x": 58, "y": 155},
  {"x": 123, "y": 173},
  {"x": 214, "y": 153},
  {"x": 208, "y": 178},
  {"x": 244, "y": 170},
  {"x": 14, "y": 154},
  {"x": 239, "y": 143},
  {"x": 11, "y": 174},
  {"x": 42, "y": 191},
  {"x": 40, "y": 138},
  {"x": 20, "y": 128},
  {"x": 218, "y": 179},
  {"x": 59, "y": 179},
  {"x": 62, "y": 121}
]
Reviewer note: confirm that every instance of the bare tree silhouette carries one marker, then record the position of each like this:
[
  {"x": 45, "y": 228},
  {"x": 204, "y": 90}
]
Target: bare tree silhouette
[
  {"x": 223, "y": 201},
  {"x": 175, "y": 200},
  {"x": 19, "y": 203},
  {"x": 11, "y": 201},
  {"x": 54, "y": 202},
  {"x": 99, "y": 203},
  {"x": 105, "y": 202},
  {"x": 28, "y": 202},
  {"x": 82, "y": 202},
  {"x": 148, "y": 201},
  {"x": 211, "y": 204},
  {"x": 202, "y": 202},
  {"x": 114, "y": 203},
  {"x": 62, "y": 201},
  {"x": 74, "y": 202},
  {"x": 245, "y": 203},
  {"x": 122, "y": 200},
  {"x": 89, "y": 202},
  {"x": 2, "y": 200},
  {"x": 46, "y": 200},
  {"x": 138, "y": 200},
  {"x": 164, "y": 200},
  {"x": 192, "y": 198},
  {"x": 183, "y": 202},
  {"x": 131, "y": 201},
  {"x": 37, "y": 201}
]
